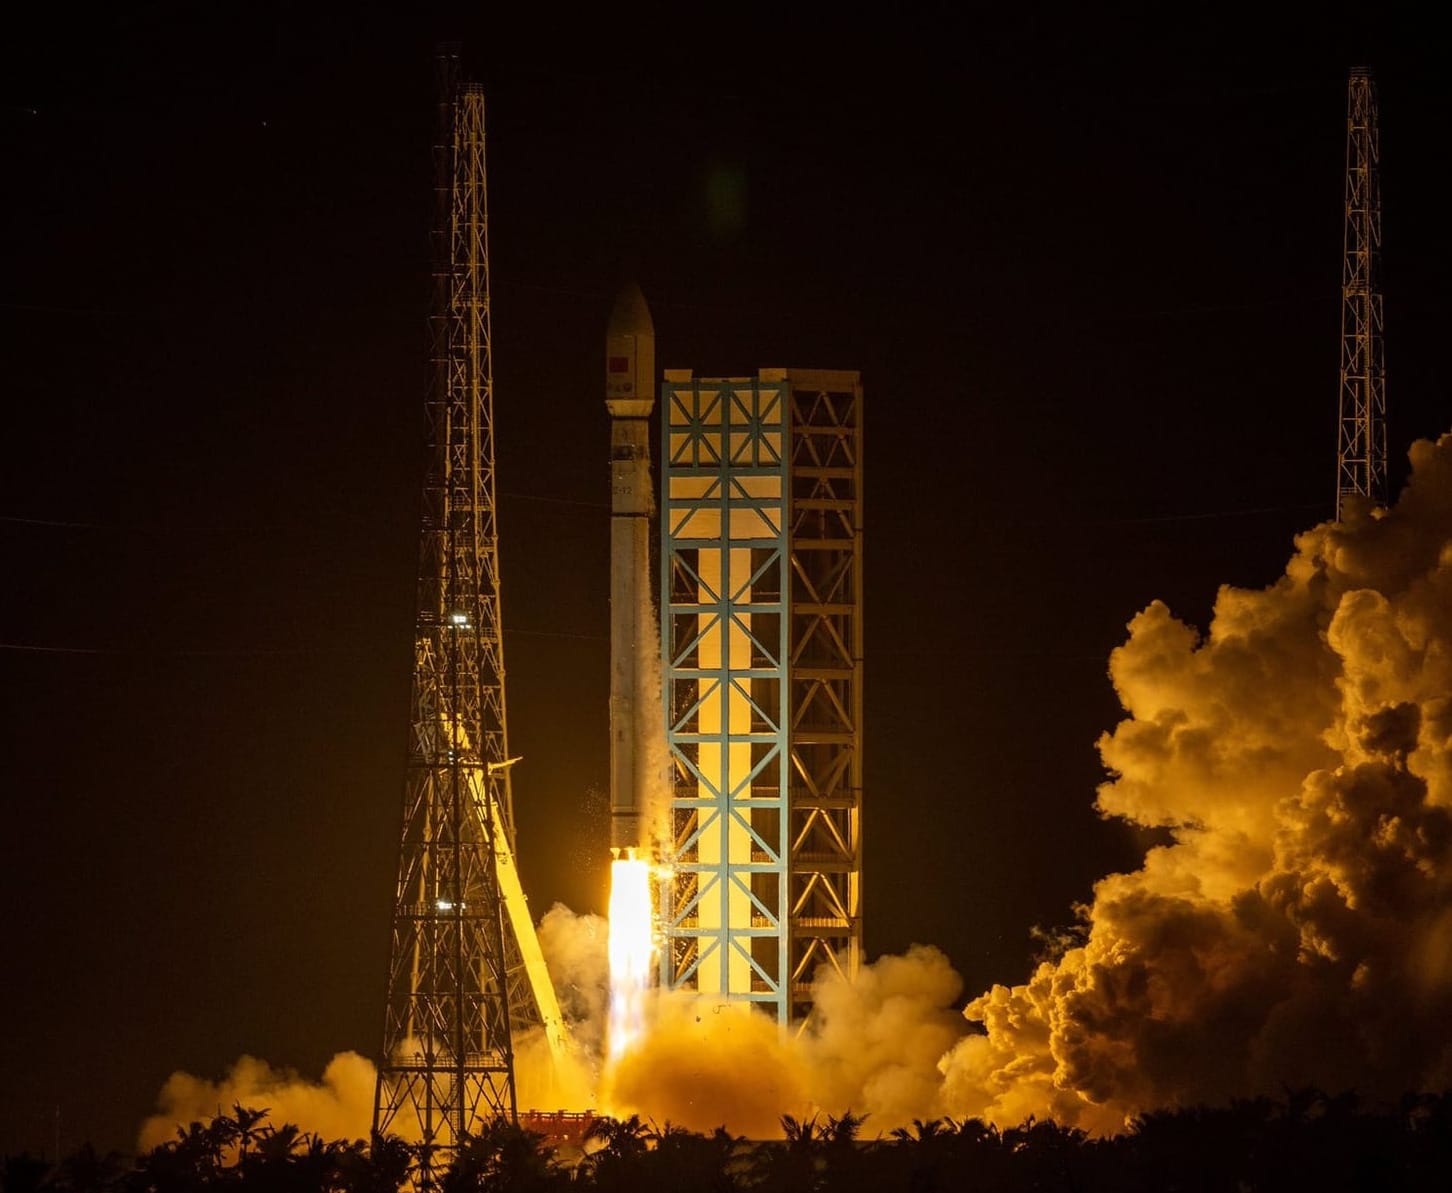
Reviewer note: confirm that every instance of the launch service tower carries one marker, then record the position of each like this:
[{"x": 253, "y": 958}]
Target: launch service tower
[{"x": 761, "y": 643}]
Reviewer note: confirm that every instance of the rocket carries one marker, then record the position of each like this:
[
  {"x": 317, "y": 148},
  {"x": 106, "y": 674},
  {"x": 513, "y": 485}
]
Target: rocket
[{"x": 630, "y": 399}]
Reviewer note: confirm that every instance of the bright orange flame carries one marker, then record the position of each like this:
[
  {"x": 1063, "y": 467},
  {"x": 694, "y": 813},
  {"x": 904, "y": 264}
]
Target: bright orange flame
[{"x": 631, "y": 949}]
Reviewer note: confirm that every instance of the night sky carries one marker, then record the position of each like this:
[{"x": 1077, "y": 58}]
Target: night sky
[{"x": 1090, "y": 274}]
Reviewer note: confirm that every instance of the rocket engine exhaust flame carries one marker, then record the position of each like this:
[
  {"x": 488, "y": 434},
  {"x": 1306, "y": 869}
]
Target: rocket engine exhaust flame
[{"x": 632, "y": 951}]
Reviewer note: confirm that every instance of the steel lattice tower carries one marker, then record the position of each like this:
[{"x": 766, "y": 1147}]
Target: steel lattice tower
[
  {"x": 464, "y": 972},
  {"x": 825, "y": 633},
  {"x": 761, "y": 640},
  {"x": 1361, "y": 445}
]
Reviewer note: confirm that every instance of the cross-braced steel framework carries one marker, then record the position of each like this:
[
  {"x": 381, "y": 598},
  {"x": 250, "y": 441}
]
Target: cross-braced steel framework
[
  {"x": 464, "y": 970},
  {"x": 762, "y": 648},
  {"x": 724, "y": 648},
  {"x": 1361, "y": 444},
  {"x": 825, "y": 677}
]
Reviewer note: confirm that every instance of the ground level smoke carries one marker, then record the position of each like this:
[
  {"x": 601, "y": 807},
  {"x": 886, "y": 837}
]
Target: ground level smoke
[{"x": 340, "y": 1106}]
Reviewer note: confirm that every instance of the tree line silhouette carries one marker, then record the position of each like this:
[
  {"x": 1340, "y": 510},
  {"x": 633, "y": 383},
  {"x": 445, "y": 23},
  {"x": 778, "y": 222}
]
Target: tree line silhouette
[{"x": 1309, "y": 1140}]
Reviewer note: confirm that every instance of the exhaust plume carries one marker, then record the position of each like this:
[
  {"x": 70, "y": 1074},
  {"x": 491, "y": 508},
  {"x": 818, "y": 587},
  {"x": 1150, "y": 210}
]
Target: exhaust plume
[
  {"x": 704, "y": 1063},
  {"x": 340, "y": 1106},
  {"x": 574, "y": 947},
  {"x": 1297, "y": 930}
]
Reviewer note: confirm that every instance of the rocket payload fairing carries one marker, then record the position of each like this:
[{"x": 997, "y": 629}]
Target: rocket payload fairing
[{"x": 630, "y": 398}]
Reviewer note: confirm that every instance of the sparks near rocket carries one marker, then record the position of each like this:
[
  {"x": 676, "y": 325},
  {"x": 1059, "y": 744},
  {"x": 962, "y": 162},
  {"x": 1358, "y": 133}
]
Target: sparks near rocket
[{"x": 630, "y": 398}]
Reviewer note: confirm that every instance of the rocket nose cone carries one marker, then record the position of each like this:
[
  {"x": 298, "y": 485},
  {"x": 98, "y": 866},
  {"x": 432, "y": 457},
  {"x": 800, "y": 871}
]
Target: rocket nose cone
[{"x": 631, "y": 317}]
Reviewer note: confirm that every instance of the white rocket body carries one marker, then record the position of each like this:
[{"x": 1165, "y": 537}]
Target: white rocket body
[{"x": 630, "y": 398}]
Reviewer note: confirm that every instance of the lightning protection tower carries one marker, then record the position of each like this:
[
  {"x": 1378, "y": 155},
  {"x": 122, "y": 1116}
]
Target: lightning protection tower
[
  {"x": 465, "y": 974},
  {"x": 1361, "y": 443},
  {"x": 761, "y": 641}
]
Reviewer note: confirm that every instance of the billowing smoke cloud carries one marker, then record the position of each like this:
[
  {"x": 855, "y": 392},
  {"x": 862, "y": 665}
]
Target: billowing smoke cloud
[
  {"x": 874, "y": 1043},
  {"x": 873, "y": 1048},
  {"x": 574, "y": 948},
  {"x": 1298, "y": 929},
  {"x": 706, "y": 1063},
  {"x": 340, "y": 1106}
]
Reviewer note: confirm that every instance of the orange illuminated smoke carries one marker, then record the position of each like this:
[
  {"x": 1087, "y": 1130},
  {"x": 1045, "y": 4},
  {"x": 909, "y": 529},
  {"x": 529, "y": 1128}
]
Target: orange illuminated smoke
[{"x": 631, "y": 950}]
